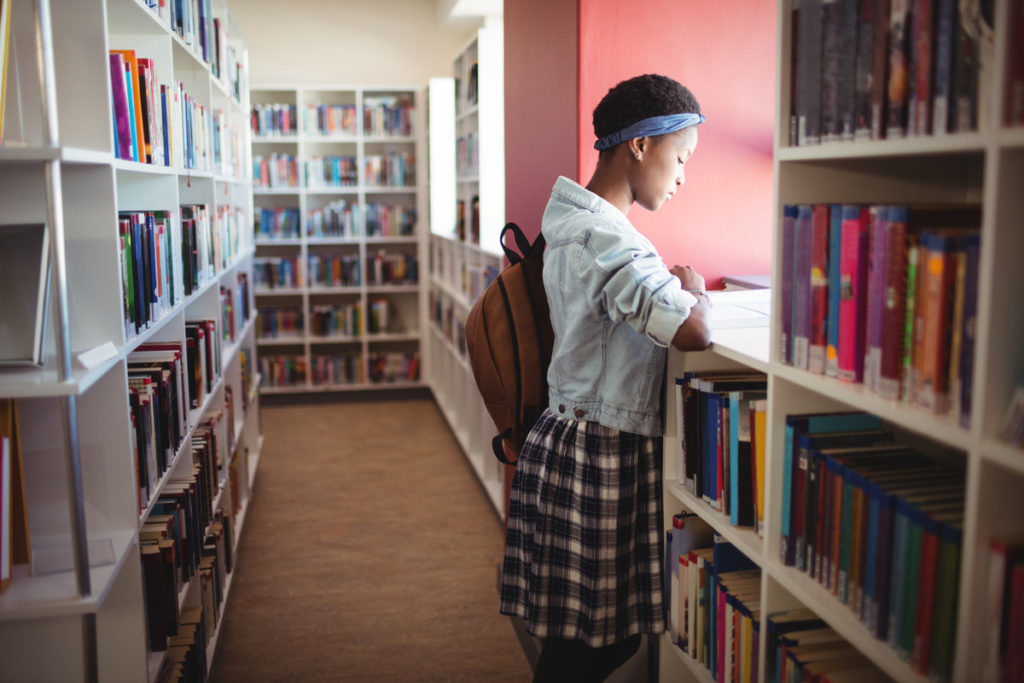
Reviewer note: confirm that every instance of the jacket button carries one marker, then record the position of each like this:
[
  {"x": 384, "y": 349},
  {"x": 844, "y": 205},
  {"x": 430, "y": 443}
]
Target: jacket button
[
  {"x": 561, "y": 408},
  {"x": 579, "y": 413}
]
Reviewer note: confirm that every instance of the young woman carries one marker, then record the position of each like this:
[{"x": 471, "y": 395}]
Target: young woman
[{"x": 583, "y": 555}]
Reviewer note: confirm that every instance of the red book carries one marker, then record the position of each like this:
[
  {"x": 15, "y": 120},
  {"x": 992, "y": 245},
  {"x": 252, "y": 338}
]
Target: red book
[
  {"x": 853, "y": 292},
  {"x": 819, "y": 288},
  {"x": 1014, "y": 664},
  {"x": 919, "y": 115},
  {"x": 894, "y": 272}
]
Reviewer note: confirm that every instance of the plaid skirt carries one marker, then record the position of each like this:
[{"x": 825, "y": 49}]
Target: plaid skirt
[{"x": 583, "y": 551}]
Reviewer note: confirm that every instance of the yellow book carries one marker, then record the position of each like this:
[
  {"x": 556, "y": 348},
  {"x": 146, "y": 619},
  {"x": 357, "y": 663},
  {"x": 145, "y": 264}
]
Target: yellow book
[
  {"x": 5, "y": 36},
  {"x": 760, "y": 429}
]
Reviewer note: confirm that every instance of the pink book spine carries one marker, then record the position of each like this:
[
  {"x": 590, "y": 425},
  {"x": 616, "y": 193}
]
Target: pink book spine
[{"x": 852, "y": 297}]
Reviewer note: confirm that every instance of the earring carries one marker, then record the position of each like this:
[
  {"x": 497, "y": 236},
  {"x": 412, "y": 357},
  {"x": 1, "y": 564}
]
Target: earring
[{"x": 638, "y": 155}]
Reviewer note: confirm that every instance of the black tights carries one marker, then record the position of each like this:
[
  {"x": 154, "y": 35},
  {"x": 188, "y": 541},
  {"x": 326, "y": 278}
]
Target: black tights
[{"x": 570, "y": 661}]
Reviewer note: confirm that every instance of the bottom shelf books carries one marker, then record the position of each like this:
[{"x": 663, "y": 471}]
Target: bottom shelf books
[
  {"x": 1005, "y": 657},
  {"x": 714, "y": 595},
  {"x": 878, "y": 523},
  {"x": 802, "y": 648}
]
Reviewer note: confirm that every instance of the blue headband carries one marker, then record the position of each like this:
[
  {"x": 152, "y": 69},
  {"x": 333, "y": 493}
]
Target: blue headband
[{"x": 656, "y": 125}]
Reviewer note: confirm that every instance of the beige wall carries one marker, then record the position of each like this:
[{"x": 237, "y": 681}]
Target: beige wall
[{"x": 348, "y": 42}]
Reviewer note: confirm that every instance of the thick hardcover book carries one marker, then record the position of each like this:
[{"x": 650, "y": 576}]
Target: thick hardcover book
[
  {"x": 809, "y": 71},
  {"x": 832, "y": 320},
  {"x": 123, "y": 139},
  {"x": 971, "y": 244},
  {"x": 802, "y": 286},
  {"x": 853, "y": 295},
  {"x": 880, "y": 69},
  {"x": 898, "y": 77},
  {"x": 893, "y": 272},
  {"x": 863, "y": 70},
  {"x": 919, "y": 105},
  {"x": 877, "y": 225},
  {"x": 831, "y": 51},
  {"x": 846, "y": 85},
  {"x": 944, "y": 21},
  {"x": 790, "y": 213},
  {"x": 818, "y": 292},
  {"x": 1015, "y": 68}
]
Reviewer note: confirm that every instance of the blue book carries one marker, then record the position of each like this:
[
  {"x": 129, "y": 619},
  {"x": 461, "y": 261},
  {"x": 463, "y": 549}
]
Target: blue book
[
  {"x": 945, "y": 35},
  {"x": 734, "y": 459},
  {"x": 131, "y": 111},
  {"x": 166, "y": 126}
]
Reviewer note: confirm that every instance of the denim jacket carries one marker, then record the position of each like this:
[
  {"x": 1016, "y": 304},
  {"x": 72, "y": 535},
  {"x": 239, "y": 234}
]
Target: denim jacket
[{"x": 615, "y": 308}]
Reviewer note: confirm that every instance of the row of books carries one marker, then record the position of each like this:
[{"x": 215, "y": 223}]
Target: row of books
[
  {"x": 878, "y": 523},
  {"x": 275, "y": 171},
  {"x": 713, "y": 595},
  {"x": 885, "y": 295},
  {"x": 1004, "y": 659},
  {"x": 337, "y": 369},
  {"x": 467, "y": 226},
  {"x": 230, "y": 224},
  {"x": 277, "y": 272},
  {"x": 383, "y": 115},
  {"x": 388, "y": 115},
  {"x": 470, "y": 96},
  {"x": 276, "y": 223},
  {"x": 449, "y": 323},
  {"x": 340, "y": 218},
  {"x": 282, "y": 370},
  {"x": 339, "y": 320},
  {"x": 335, "y": 271},
  {"x": 721, "y": 422},
  {"x": 274, "y": 119},
  {"x": 874, "y": 69},
  {"x": 392, "y": 268},
  {"x": 227, "y": 146},
  {"x": 386, "y": 367},
  {"x": 331, "y": 171},
  {"x": 802, "y": 647},
  {"x": 394, "y": 169},
  {"x": 148, "y": 284},
  {"x": 155, "y": 123},
  {"x": 234, "y": 306},
  {"x": 273, "y": 323},
  {"x": 467, "y": 155}
]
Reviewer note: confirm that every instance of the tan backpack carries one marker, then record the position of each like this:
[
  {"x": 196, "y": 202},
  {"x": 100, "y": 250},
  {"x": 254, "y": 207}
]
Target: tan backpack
[{"x": 509, "y": 339}]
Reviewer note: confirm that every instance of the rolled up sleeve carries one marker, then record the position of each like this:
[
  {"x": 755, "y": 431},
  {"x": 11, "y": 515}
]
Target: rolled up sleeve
[{"x": 631, "y": 283}]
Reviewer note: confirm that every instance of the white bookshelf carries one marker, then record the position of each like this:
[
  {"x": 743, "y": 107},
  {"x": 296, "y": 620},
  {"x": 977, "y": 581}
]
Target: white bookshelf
[
  {"x": 458, "y": 257},
  {"x": 985, "y": 167},
  {"x": 43, "y": 615},
  {"x": 406, "y": 303}
]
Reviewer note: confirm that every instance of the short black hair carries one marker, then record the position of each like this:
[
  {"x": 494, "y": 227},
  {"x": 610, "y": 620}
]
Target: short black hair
[{"x": 639, "y": 98}]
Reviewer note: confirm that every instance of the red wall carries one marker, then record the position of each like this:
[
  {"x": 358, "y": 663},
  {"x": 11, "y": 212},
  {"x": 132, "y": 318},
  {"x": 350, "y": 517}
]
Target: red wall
[
  {"x": 720, "y": 223},
  {"x": 540, "y": 104},
  {"x": 562, "y": 56}
]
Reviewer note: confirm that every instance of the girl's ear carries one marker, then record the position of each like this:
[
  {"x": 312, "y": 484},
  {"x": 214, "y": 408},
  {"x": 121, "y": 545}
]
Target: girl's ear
[{"x": 637, "y": 147}]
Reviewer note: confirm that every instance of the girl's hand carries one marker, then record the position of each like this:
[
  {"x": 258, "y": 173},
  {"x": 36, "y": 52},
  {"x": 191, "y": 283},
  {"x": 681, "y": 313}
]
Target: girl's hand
[{"x": 690, "y": 279}]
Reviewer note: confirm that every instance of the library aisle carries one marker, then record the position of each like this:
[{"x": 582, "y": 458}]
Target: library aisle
[{"x": 369, "y": 554}]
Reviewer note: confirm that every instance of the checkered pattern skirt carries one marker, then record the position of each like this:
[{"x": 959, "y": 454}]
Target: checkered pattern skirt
[{"x": 583, "y": 552}]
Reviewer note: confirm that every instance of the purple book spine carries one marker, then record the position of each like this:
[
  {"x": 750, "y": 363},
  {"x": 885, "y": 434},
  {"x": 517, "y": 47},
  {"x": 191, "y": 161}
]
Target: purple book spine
[
  {"x": 876, "y": 294},
  {"x": 123, "y": 143},
  {"x": 788, "y": 235},
  {"x": 802, "y": 286}
]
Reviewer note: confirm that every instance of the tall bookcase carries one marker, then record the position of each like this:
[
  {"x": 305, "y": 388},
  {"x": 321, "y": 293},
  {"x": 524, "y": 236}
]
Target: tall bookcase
[
  {"x": 312, "y": 349},
  {"x": 467, "y": 204},
  {"x": 51, "y": 629},
  {"x": 979, "y": 167}
]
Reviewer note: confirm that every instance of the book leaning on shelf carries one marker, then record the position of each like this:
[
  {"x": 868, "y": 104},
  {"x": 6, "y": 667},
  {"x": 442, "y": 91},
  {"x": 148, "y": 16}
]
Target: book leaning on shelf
[
  {"x": 879, "y": 525},
  {"x": 884, "y": 295},
  {"x": 887, "y": 69}
]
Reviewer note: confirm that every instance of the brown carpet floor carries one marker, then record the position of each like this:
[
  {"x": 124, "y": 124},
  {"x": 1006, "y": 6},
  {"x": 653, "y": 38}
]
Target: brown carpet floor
[{"x": 369, "y": 553}]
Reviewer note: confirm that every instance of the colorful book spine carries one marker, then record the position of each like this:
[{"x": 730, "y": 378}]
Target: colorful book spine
[
  {"x": 818, "y": 289},
  {"x": 878, "y": 227},
  {"x": 852, "y": 297}
]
